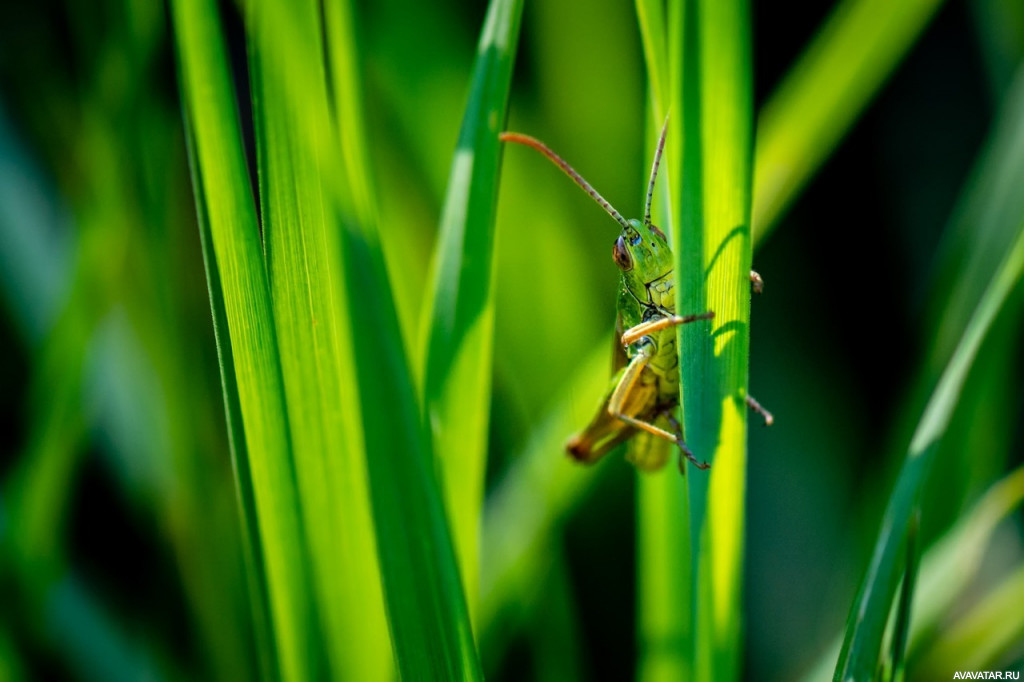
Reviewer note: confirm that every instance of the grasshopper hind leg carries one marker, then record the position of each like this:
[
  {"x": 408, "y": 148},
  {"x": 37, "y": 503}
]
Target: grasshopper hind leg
[
  {"x": 626, "y": 392},
  {"x": 649, "y": 452},
  {"x": 602, "y": 434},
  {"x": 677, "y": 429}
]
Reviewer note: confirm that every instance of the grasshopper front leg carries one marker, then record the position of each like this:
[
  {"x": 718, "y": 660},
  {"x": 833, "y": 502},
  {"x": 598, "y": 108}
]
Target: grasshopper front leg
[
  {"x": 634, "y": 334},
  {"x": 620, "y": 398}
]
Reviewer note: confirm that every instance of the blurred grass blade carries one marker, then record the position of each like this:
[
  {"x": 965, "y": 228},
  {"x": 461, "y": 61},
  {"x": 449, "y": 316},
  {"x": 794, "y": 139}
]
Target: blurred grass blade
[
  {"x": 346, "y": 87},
  {"x": 518, "y": 532},
  {"x": 947, "y": 569},
  {"x": 38, "y": 489},
  {"x": 985, "y": 635},
  {"x": 460, "y": 331},
  {"x": 711, "y": 188},
  {"x": 291, "y": 110},
  {"x": 901, "y": 628},
  {"x": 651, "y": 17},
  {"x": 12, "y": 666},
  {"x": 1000, "y": 27},
  {"x": 665, "y": 613},
  {"x": 96, "y": 645},
  {"x": 555, "y": 629},
  {"x": 868, "y": 616},
  {"x": 983, "y": 227},
  {"x": 950, "y": 565},
  {"x": 824, "y": 93},
  {"x": 223, "y": 184},
  {"x": 34, "y": 254}
]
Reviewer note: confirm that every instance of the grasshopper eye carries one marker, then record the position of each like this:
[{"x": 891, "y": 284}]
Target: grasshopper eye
[{"x": 620, "y": 254}]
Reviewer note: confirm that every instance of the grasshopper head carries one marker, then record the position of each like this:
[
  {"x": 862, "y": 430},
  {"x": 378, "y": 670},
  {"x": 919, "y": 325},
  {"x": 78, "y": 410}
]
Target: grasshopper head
[
  {"x": 642, "y": 255},
  {"x": 641, "y": 251}
]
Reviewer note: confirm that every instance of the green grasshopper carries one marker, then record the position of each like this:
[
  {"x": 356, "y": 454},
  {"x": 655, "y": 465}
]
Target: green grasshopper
[{"x": 644, "y": 391}]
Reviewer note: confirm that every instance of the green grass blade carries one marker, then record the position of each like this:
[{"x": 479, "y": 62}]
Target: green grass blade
[
  {"x": 209, "y": 106},
  {"x": 901, "y": 629},
  {"x": 868, "y": 616},
  {"x": 302, "y": 244},
  {"x": 711, "y": 188},
  {"x": 459, "y": 339},
  {"x": 427, "y": 611},
  {"x": 426, "y": 607},
  {"x": 824, "y": 93},
  {"x": 251, "y": 547},
  {"x": 347, "y": 90},
  {"x": 651, "y": 17},
  {"x": 665, "y": 611}
]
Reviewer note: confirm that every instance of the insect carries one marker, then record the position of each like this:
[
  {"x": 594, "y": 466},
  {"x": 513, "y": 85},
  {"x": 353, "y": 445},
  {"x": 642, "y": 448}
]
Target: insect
[{"x": 644, "y": 390}]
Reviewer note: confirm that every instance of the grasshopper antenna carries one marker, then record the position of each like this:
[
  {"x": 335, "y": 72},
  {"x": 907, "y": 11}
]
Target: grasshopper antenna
[
  {"x": 654, "y": 172},
  {"x": 519, "y": 138}
]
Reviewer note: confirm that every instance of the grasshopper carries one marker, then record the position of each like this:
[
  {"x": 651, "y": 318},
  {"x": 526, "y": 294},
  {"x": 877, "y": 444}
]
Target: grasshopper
[{"x": 644, "y": 391}]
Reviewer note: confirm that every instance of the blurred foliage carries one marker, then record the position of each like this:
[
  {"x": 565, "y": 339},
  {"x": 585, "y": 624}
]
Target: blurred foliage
[{"x": 121, "y": 550}]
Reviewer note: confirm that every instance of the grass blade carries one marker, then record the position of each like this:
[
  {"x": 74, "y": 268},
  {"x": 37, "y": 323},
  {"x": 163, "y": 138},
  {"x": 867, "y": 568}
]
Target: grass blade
[
  {"x": 947, "y": 569},
  {"x": 426, "y": 607},
  {"x": 255, "y": 571},
  {"x": 346, "y": 87},
  {"x": 824, "y": 93},
  {"x": 710, "y": 174},
  {"x": 427, "y": 611},
  {"x": 460, "y": 335},
  {"x": 901, "y": 629},
  {"x": 651, "y": 17},
  {"x": 296, "y": 149},
  {"x": 868, "y": 616},
  {"x": 665, "y": 611},
  {"x": 223, "y": 185}
]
